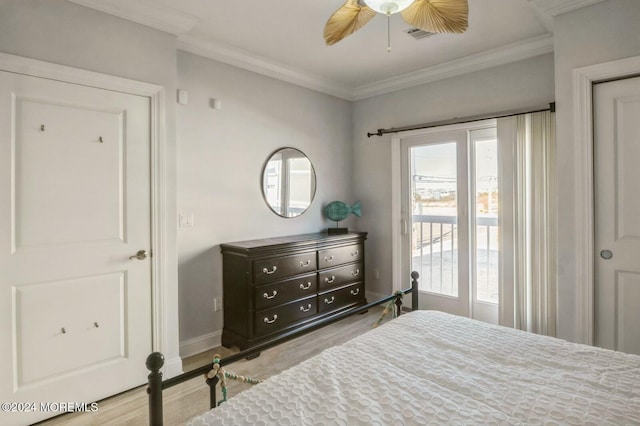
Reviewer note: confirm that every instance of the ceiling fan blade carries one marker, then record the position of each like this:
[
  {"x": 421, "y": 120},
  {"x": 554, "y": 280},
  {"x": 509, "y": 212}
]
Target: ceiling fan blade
[
  {"x": 346, "y": 21},
  {"x": 438, "y": 16}
]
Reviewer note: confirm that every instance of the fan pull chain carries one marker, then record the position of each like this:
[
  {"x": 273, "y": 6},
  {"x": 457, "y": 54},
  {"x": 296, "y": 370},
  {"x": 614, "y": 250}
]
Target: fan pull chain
[{"x": 388, "y": 32}]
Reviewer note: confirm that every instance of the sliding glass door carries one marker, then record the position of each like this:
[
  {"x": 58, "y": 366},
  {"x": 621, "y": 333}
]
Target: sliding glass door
[{"x": 450, "y": 219}]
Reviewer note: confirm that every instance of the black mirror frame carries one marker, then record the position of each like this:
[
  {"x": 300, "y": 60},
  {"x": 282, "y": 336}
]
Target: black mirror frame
[{"x": 315, "y": 182}]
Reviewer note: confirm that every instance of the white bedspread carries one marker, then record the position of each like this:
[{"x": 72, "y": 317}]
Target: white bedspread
[{"x": 428, "y": 367}]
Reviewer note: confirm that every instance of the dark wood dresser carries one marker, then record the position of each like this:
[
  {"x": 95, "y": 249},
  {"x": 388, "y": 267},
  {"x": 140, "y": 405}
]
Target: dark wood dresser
[{"x": 274, "y": 285}]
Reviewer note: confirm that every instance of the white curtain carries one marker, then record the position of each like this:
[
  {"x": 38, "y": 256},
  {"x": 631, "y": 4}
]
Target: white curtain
[{"x": 528, "y": 287}]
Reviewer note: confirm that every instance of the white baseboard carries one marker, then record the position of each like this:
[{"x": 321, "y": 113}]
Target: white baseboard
[
  {"x": 200, "y": 344},
  {"x": 372, "y": 296},
  {"x": 172, "y": 368}
]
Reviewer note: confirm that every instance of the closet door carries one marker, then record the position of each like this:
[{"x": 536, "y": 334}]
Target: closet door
[
  {"x": 75, "y": 239},
  {"x": 617, "y": 214}
]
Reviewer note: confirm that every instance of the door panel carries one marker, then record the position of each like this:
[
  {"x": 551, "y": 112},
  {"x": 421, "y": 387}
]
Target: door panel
[
  {"x": 74, "y": 207},
  {"x": 485, "y": 198},
  {"x": 435, "y": 198},
  {"x": 47, "y": 183},
  {"x": 617, "y": 214},
  {"x": 53, "y": 319},
  {"x": 627, "y": 338}
]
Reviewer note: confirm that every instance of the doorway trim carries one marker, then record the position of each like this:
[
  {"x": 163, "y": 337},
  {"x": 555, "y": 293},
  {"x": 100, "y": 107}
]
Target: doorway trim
[
  {"x": 162, "y": 321},
  {"x": 583, "y": 80}
]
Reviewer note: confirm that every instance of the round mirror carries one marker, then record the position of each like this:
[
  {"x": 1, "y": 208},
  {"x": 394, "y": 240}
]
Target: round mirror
[{"x": 288, "y": 182}]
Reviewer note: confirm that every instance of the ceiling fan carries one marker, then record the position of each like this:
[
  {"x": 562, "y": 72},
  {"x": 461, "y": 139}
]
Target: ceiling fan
[{"x": 435, "y": 16}]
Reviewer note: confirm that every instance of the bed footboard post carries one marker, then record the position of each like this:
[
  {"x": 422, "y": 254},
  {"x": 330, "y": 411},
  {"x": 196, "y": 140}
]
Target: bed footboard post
[
  {"x": 155, "y": 361},
  {"x": 414, "y": 290},
  {"x": 398, "y": 303},
  {"x": 212, "y": 382}
]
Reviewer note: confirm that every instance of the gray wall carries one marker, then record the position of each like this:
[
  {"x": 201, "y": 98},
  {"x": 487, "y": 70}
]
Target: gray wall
[
  {"x": 220, "y": 153},
  {"x": 518, "y": 85},
  {"x": 64, "y": 33},
  {"x": 220, "y": 158},
  {"x": 600, "y": 33}
]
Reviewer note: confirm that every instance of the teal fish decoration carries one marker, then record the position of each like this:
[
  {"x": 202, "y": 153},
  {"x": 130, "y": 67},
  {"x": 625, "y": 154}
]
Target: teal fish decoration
[{"x": 337, "y": 210}]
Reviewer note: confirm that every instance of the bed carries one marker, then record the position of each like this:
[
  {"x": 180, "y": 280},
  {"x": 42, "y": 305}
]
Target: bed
[{"x": 432, "y": 367}]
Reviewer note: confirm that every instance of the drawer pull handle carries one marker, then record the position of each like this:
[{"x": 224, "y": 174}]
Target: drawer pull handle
[
  {"x": 96, "y": 325},
  {"x": 268, "y": 321},
  {"x": 305, "y": 287},
  {"x": 302, "y": 309},
  {"x": 269, "y": 272},
  {"x": 330, "y": 280},
  {"x": 274, "y": 294},
  {"x": 356, "y": 273},
  {"x": 354, "y": 254},
  {"x": 328, "y": 302},
  {"x": 63, "y": 330},
  {"x": 328, "y": 259},
  {"x": 307, "y": 263},
  {"x": 355, "y": 292}
]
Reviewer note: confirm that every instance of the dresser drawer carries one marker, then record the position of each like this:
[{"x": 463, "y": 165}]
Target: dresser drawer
[
  {"x": 270, "y": 320},
  {"x": 339, "y": 255},
  {"x": 341, "y": 297},
  {"x": 269, "y": 295},
  {"x": 274, "y": 268},
  {"x": 335, "y": 277}
]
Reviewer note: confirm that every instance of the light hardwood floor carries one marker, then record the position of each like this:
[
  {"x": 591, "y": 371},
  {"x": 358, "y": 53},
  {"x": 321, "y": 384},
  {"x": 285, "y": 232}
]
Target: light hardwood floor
[{"x": 189, "y": 399}]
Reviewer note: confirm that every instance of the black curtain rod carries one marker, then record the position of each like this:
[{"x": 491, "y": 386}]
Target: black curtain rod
[{"x": 380, "y": 132}]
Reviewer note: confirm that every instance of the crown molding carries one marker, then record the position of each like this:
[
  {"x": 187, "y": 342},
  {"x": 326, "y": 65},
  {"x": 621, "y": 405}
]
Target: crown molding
[
  {"x": 558, "y": 7},
  {"x": 514, "y": 52},
  {"x": 260, "y": 65},
  {"x": 163, "y": 18},
  {"x": 145, "y": 12},
  {"x": 535, "y": 46}
]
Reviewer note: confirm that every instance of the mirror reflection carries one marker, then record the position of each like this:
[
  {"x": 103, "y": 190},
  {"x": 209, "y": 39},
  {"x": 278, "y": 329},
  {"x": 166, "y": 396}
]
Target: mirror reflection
[{"x": 288, "y": 182}]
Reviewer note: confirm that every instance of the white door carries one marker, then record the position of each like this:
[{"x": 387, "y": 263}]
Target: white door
[
  {"x": 617, "y": 214},
  {"x": 450, "y": 206},
  {"x": 75, "y": 308},
  {"x": 435, "y": 207}
]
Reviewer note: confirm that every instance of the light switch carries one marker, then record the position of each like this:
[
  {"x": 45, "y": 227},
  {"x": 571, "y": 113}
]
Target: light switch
[
  {"x": 183, "y": 97},
  {"x": 185, "y": 220}
]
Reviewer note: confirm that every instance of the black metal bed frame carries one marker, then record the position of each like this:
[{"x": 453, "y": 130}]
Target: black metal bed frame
[{"x": 155, "y": 361}]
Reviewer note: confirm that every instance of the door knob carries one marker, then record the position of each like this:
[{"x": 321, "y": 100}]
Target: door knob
[
  {"x": 140, "y": 255},
  {"x": 606, "y": 254}
]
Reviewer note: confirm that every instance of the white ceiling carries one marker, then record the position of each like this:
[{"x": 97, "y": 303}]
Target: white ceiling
[{"x": 283, "y": 39}]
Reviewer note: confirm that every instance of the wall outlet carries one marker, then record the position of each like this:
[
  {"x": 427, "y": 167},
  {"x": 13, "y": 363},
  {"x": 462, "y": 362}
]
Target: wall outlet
[{"x": 217, "y": 304}]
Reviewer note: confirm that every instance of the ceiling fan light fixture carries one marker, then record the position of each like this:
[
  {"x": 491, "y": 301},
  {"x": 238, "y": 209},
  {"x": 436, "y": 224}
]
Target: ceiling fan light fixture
[
  {"x": 434, "y": 16},
  {"x": 388, "y": 7}
]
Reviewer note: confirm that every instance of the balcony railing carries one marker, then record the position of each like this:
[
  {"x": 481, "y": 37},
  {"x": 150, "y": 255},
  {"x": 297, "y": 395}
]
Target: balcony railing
[{"x": 435, "y": 254}]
